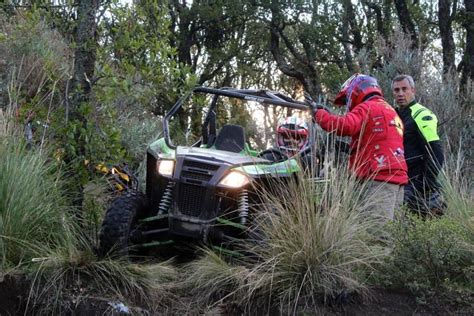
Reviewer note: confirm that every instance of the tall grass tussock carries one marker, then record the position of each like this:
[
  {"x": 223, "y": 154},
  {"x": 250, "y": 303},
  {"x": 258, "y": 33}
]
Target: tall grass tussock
[
  {"x": 32, "y": 204},
  {"x": 317, "y": 245},
  {"x": 40, "y": 238},
  {"x": 74, "y": 272},
  {"x": 309, "y": 245}
]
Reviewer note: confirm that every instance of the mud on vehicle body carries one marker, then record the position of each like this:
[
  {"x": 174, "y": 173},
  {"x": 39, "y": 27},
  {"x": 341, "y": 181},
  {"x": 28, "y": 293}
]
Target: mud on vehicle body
[{"x": 203, "y": 192}]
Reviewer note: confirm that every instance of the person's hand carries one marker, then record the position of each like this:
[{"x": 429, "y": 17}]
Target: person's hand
[{"x": 313, "y": 105}]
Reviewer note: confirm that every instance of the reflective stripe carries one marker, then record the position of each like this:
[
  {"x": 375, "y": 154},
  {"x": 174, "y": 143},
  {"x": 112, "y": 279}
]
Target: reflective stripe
[
  {"x": 427, "y": 128},
  {"x": 418, "y": 113}
]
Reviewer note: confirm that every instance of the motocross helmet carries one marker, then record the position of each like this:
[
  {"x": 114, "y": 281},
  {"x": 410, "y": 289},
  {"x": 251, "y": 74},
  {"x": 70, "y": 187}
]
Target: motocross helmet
[
  {"x": 292, "y": 134},
  {"x": 355, "y": 89}
]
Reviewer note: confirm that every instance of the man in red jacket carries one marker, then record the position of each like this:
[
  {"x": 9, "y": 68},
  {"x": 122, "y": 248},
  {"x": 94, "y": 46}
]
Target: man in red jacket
[{"x": 377, "y": 154}]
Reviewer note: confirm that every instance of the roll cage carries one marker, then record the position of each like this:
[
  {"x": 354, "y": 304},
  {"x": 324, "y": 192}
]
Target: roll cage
[{"x": 263, "y": 97}]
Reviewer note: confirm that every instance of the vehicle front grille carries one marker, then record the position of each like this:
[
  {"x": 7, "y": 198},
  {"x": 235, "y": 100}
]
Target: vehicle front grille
[
  {"x": 196, "y": 176},
  {"x": 197, "y": 172},
  {"x": 200, "y": 165},
  {"x": 192, "y": 198},
  {"x": 194, "y": 185}
]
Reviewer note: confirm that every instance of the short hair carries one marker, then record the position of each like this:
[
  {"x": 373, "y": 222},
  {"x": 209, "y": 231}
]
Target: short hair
[{"x": 403, "y": 77}]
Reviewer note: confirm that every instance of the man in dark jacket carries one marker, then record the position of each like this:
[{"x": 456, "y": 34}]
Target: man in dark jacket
[
  {"x": 423, "y": 150},
  {"x": 377, "y": 155}
]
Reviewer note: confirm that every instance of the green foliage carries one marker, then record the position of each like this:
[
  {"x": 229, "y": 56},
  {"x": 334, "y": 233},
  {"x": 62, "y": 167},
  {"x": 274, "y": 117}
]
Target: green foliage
[
  {"x": 32, "y": 204},
  {"x": 430, "y": 256},
  {"x": 333, "y": 77},
  {"x": 435, "y": 256},
  {"x": 138, "y": 130},
  {"x": 37, "y": 65},
  {"x": 30, "y": 44},
  {"x": 138, "y": 66},
  {"x": 91, "y": 140}
]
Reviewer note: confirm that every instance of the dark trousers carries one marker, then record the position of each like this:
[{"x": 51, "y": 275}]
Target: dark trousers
[{"x": 422, "y": 200}]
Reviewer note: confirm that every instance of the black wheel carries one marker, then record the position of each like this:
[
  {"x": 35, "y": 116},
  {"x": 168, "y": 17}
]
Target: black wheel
[{"x": 119, "y": 221}]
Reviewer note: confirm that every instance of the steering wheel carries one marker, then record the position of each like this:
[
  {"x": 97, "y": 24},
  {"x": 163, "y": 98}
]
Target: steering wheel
[{"x": 276, "y": 153}]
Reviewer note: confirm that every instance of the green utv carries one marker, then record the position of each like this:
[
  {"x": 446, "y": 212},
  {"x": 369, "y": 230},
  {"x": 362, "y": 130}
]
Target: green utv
[{"x": 205, "y": 192}]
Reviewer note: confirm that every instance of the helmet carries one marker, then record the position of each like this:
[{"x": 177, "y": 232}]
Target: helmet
[
  {"x": 355, "y": 89},
  {"x": 292, "y": 134}
]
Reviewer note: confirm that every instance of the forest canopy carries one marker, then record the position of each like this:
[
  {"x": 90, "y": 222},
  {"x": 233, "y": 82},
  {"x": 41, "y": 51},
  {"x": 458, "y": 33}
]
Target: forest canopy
[{"x": 83, "y": 65}]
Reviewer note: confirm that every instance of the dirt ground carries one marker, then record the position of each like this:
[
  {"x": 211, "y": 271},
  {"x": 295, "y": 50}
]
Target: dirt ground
[{"x": 14, "y": 293}]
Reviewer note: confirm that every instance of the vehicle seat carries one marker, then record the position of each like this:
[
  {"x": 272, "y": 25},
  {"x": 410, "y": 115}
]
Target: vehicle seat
[{"x": 231, "y": 138}]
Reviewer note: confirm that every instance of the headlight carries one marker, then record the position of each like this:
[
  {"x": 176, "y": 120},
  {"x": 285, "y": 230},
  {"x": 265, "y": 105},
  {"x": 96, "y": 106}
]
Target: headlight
[
  {"x": 234, "y": 180},
  {"x": 166, "y": 167}
]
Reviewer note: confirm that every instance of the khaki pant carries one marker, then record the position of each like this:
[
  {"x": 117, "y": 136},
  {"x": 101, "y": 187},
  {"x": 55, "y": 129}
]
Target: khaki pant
[{"x": 381, "y": 199}]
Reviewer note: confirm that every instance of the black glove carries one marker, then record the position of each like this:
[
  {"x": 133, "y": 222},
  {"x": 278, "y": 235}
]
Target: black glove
[{"x": 313, "y": 105}]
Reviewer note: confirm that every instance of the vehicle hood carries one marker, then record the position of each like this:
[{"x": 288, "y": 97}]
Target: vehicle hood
[{"x": 215, "y": 155}]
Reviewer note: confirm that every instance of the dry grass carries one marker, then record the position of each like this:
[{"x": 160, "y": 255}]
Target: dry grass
[
  {"x": 74, "y": 272},
  {"x": 316, "y": 244},
  {"x": 211, "y": 278},
  {"x": 458, "y": 192},
  {"x": 310, "y": 244}
]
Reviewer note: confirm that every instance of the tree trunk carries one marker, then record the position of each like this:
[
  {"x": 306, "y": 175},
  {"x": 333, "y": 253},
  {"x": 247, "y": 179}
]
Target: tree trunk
[
  {"x": 406, "y": 22},
  {"x": 467, "y": 64},
  {"x": 382, "y": 19},
  {"x": 83, "y": 76},
  {"x": 85, "y": 53},
  {"x": 352, "y": 21},
  {"x": 301, "y": 68},
  {"x": 183, "y": 19},
  {"x": 445, "y": 19},
  {"x": 346, "y": 40}
]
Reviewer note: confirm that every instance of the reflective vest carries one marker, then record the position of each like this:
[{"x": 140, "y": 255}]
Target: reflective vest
[{"x": 421, "y": 129}]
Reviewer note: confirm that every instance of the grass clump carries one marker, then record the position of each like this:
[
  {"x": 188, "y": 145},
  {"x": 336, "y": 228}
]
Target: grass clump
[
  {"x": 74, "y": 272},
  {"x": 310, "y": 245},
  {"x": 317, "y": 245},
  {"x": 212, "y": 277},
  {"x": 32, "y": 204},
  {"x": 39, "y": 238}
]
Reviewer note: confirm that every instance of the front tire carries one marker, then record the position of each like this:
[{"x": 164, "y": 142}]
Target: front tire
[{"x": 119, "y": 221}]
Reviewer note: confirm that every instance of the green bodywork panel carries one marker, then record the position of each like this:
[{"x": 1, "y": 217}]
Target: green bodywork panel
[
  {"x": 160, "y": 150},
  {"x": 277, "y": 169},
  {"x": 250, "y": 151}
]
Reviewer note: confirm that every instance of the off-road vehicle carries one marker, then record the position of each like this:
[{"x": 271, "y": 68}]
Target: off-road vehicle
[{"x": 204, "y": 192}]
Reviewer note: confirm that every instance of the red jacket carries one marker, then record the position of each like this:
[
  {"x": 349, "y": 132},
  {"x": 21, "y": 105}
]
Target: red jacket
[{"x": 377, "y": 139}]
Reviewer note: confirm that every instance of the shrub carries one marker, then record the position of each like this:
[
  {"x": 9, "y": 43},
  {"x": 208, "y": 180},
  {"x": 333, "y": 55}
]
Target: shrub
[
  {"x": 36, "y": 57},
  {"x": 439, "y": 95},
  {"x": 138, "y": 131},
  {"x": 436, "y": 255},
  {"x": 429, "y": 256}
]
